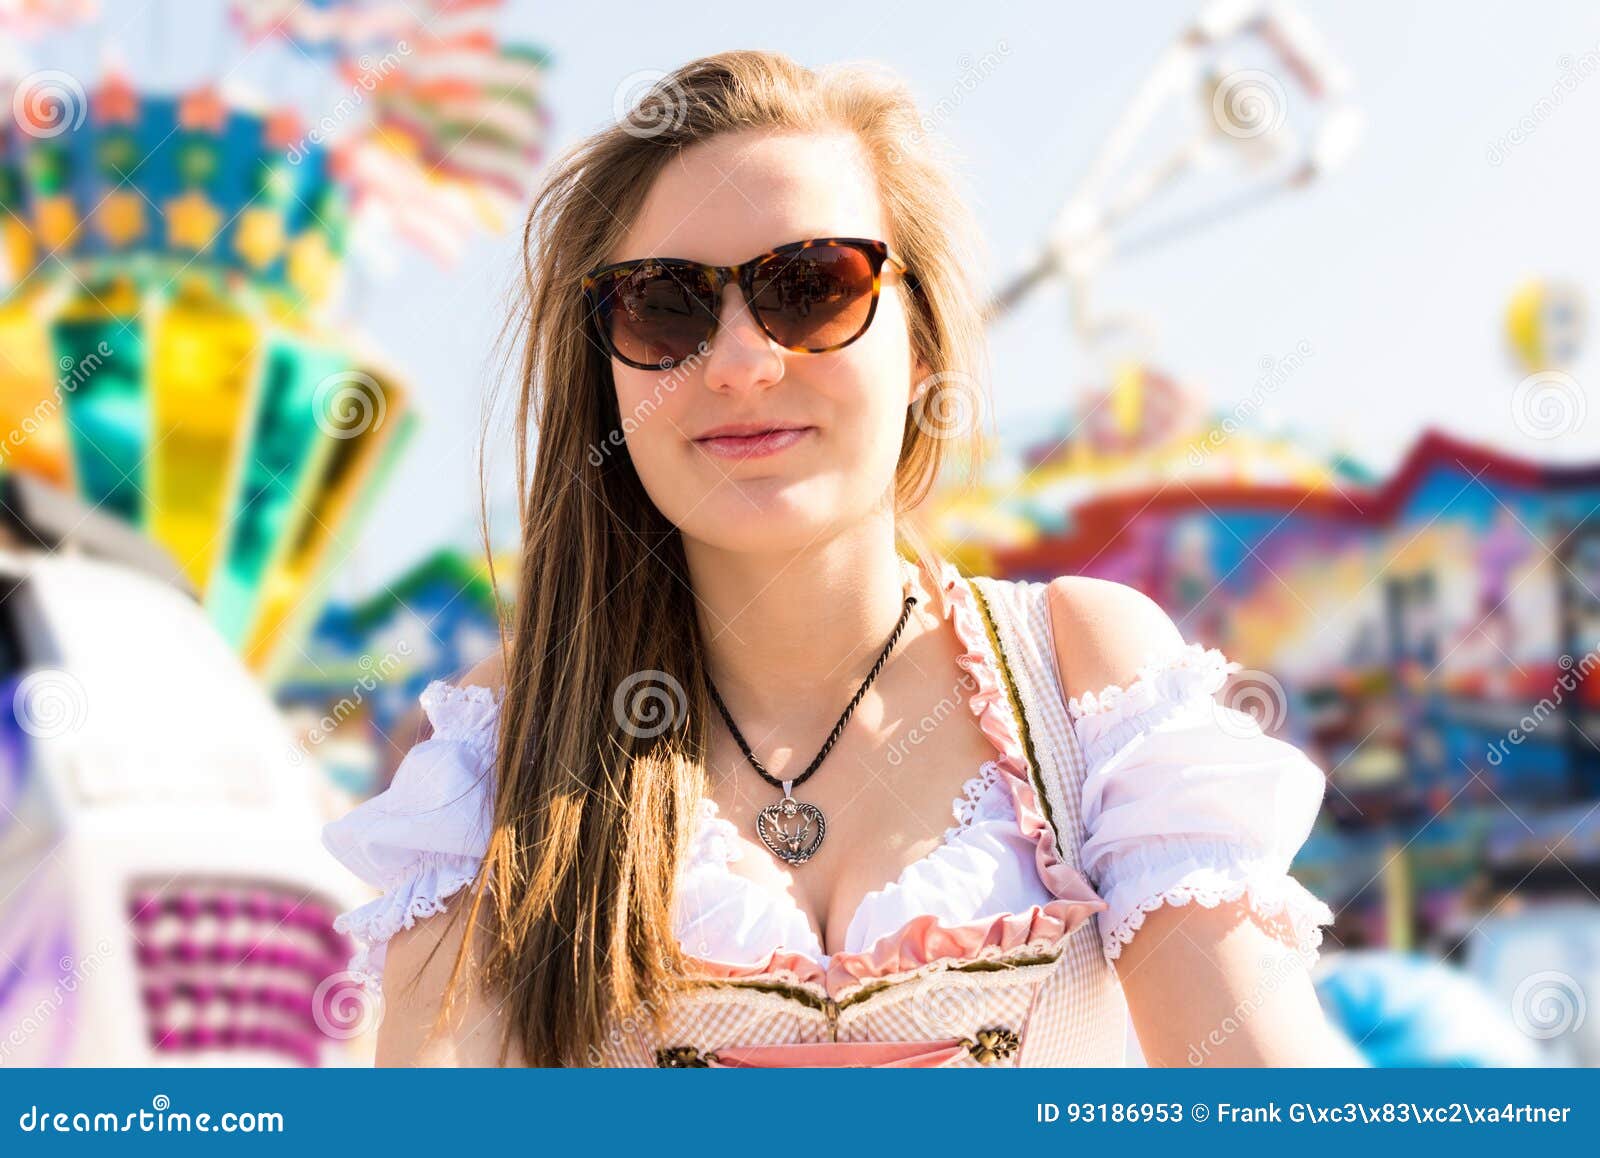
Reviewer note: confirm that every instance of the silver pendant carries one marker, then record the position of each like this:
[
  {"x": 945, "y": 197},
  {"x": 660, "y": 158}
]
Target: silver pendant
[{"x": 792, "y": 831}]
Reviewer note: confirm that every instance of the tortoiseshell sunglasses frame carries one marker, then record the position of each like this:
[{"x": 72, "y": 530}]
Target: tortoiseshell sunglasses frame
[{"x": 743, "y": 275}]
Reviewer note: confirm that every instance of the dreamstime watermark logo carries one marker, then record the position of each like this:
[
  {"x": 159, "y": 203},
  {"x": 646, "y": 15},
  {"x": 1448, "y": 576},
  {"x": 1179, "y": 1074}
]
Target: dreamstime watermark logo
[
  {"x": 50, "y": 703},
  {"x": 348, "y": 404},
  {"x": 1571, "y": 72},
  {"x": 48, "y": 103},
  {"x": 1548, "y": 404},
  {"x": 71, "y": 972},
  {"x": 648, "y": 103},
  {"x": 648, "y": 704},
  {"x": 1254, "y": 701},
  {"x": 973, "y": 73},
  {"x": 1548, "y": 1004},
  {"x": 344, "y": 1007},
  {"x": 1249, "y": 103},
  {"x": 371, "y": 72},
  {"x": 73, "y": 373},
  {"x": 1274, "y": 373},
  {"x": 668, "y": 382},
  {"x": 1566, "y": 683},
  {"x": 155, "y": 1120},
  {"x": 948, "y": 1008},
  {"x": 947, "y": 404},
  {"x": 374, "y": 673}
]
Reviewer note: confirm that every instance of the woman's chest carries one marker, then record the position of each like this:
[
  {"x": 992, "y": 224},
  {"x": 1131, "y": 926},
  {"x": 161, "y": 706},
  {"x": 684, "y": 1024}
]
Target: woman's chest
[
  {"x": 882, "y": 801},
  {"x": 985, "y": 869}
]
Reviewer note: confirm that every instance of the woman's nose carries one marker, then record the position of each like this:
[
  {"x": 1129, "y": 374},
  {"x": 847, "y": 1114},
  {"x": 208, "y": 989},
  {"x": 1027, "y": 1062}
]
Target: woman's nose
[{"x": 741, "y": 354}]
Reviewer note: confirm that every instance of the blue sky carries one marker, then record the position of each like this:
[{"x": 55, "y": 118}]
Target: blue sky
[{"x": 1396, "y": 270}]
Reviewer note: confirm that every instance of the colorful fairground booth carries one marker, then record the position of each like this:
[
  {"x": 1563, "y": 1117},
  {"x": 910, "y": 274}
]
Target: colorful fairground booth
[{"x": 1429, "y": 637}]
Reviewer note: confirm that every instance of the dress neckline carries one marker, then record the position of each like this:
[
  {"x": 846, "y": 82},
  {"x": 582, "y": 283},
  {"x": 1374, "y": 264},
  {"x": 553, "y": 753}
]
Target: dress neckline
[
  {"x": 711, "y": 817},
  {"x": 923, "y": 944},
  {"x": 713, "y": 831}
]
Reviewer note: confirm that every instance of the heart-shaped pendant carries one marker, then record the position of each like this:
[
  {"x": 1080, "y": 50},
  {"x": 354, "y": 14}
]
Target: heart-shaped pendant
[{"x": 791, "y": 830}]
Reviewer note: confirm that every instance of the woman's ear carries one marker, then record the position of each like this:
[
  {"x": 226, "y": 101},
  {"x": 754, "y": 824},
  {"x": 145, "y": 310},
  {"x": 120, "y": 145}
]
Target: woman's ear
[{"x": 920, "y": 380}]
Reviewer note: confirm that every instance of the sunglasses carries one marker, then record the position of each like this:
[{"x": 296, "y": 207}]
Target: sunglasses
[{"x": 810, "y": 297}]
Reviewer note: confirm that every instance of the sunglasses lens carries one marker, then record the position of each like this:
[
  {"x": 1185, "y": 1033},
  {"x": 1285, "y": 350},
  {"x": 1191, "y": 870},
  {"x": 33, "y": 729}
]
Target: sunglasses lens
[
  {"x": 658, "y": 314},
  {"x": 815, "y": 298}
]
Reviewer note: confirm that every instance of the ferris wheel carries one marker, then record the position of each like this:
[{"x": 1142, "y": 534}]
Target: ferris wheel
[{"x": 1245, "y": 104}]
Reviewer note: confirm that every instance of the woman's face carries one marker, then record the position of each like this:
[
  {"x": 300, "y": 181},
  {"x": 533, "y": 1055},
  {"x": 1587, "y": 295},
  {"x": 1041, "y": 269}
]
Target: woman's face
[{"x": 723, "y": 202}]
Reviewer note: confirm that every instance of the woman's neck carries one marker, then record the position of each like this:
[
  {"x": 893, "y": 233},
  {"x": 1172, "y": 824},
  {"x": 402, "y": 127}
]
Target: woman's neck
[{"x": 791, "y": 635}]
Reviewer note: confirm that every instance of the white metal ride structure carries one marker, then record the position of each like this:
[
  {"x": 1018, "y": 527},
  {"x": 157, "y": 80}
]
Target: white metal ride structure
[
  {"x": 164, "y": 896},
  {"x": 1257, "y": 98}
]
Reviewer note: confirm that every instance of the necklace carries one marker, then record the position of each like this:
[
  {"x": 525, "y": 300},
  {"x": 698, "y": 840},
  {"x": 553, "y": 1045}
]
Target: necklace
[{"x": 791, "y": 829}]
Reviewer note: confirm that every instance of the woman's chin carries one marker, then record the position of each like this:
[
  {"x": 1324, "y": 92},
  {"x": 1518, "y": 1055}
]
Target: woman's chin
[{"x": 751, "y": 520}]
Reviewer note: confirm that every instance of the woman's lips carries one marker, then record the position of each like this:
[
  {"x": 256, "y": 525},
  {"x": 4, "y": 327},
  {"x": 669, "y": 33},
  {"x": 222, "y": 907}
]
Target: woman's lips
[{"x": 752, "y": 445}]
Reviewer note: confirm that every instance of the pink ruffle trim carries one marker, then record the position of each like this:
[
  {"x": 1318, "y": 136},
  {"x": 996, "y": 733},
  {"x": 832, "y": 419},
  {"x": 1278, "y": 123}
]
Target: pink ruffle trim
[{"x": 922, "y": 944}]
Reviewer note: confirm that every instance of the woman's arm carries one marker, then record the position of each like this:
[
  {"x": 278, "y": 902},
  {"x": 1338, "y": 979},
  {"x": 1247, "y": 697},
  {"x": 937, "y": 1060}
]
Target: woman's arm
[
  {"x": 416, "y": 973},
  {"x": 1215, "y": 986},
  {"x": 1212, "y": 987}
]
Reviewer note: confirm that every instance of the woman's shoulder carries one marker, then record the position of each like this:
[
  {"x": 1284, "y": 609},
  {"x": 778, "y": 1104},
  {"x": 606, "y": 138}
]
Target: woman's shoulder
[
  {"x": 1071, "y": 637},
  {"x": 1174, "y": 780},
  {"x": 490, "y": 674},
  {"x": 1090, "y": 634},
  {"x": 1105, "y": 634}
]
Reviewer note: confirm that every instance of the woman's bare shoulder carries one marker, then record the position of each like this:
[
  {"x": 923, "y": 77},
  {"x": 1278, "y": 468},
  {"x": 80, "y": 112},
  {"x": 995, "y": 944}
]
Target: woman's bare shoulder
[
  {"x": 417, "y": 972},
  {"x": 1104, "y": 632},
  {"x": 490, "y": 673}
]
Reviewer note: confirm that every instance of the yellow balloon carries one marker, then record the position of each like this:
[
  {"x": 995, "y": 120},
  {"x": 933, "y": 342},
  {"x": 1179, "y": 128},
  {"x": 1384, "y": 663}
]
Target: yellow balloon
[{"x": 1545, "y": 324}]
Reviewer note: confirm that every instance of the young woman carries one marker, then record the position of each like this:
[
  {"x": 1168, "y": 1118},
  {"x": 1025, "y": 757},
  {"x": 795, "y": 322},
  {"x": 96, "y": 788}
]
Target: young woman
[{"x": 750, "y": 787}]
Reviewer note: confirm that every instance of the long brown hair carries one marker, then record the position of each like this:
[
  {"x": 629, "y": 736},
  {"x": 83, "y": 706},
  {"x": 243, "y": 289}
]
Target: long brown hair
[{"x": 604, "y": 718}]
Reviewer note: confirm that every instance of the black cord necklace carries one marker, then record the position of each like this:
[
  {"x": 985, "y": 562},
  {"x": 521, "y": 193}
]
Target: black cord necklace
[{"x": 791, "y": 830}]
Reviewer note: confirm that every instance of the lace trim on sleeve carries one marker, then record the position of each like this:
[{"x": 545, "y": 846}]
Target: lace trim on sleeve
[
  {"x": 1210, "y": 873},
  {"x": 1106, "y": 721},
  {"x": 418, "y": 892},
  {"x": 1192, "y": 668},
  {"x": 715, "y": 840}
]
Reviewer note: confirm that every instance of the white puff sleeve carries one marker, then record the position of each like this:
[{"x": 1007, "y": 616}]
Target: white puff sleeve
[
  {"x": 422, "y": 838},
  {"x": 1187, "y": 799}
]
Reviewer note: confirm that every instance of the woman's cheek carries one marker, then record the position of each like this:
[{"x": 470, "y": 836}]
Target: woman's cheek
[{"x": 652, "y": 442}]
